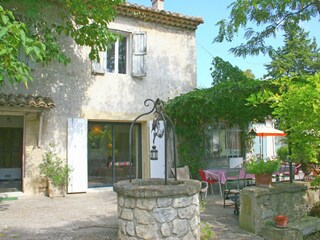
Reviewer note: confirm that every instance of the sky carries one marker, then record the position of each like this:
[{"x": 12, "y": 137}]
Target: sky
[{"x": 211, "y": 12}]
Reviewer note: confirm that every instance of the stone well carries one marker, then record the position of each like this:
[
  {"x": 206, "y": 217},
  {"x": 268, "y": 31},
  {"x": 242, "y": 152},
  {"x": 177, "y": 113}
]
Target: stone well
[
  {"x": 149, "y": 209},
  {"x": 259, "y": 206}
]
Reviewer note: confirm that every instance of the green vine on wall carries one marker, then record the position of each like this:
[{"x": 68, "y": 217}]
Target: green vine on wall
[{"x": 194, "y": 111}]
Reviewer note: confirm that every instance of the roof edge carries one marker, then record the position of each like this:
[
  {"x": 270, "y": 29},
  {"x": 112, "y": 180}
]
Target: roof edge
[
  {"x": 29, "y": 101},
  {"x": 158, "y": 16}
]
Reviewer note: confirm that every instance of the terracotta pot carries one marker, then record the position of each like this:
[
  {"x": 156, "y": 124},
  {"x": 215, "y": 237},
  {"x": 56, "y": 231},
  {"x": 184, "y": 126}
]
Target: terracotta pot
[
  {"x": 281, "y": 221},
  {"x": 263, "y": 179}
]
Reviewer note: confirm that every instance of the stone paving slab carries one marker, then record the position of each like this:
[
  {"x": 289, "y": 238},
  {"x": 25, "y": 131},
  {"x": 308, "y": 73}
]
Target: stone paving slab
[
  {"x": 224, "y": 222},
  {"x": 93, "y": 216}
]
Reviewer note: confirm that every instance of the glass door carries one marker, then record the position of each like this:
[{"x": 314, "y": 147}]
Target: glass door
[
  {"x": 11, "y": 146},
  {"x": 108, "y": 152}
]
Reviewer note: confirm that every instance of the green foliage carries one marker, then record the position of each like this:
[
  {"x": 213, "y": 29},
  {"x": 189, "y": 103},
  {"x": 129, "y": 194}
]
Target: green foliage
[
  {"x": 282, "y": 153},
  {"x": 54, "y": 168},
  {"x": 206, "y": 231},
  {"x": 299, "y": 55},
  {"x": 316, "y": 183},
  {"x": 295, "y": 104},
  {"x": 194, "y": 111},
  {"x": 96, "y": 135},
  {"x": 223, "y": 71},
  {"x": 189, "y": 119},
  {"x": 30, "y": 28},
  {"x": 91, "y": 20},
  {"x": 256, "y": 166},
  {"x": 14, "y": 37},
  {"x": 248, "y": 73},
  {"x": 269, "y": 16}
]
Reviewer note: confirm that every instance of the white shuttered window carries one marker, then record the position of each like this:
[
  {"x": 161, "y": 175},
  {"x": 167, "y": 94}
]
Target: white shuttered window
[
  {"x": 115, "y": 59},
  {"x": 139, "y": 54},
  {"x": 100, "y": 67}
]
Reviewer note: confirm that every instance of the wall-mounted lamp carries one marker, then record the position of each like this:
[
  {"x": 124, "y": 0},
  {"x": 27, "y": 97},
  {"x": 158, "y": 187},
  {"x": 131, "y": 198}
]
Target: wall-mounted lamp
[{"x": 154, "y": 153}]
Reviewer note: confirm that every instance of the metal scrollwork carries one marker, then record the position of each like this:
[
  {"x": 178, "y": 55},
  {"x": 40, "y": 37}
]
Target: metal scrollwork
[{"x": 157, "y": 129}]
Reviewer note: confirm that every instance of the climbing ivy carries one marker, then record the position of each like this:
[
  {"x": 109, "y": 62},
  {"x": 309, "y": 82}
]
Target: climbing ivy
[{"x": 226, "y": 101}]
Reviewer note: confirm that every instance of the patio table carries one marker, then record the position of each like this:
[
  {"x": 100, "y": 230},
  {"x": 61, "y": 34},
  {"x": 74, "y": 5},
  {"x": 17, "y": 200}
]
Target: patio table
[
  {"x": 216, "y": 174},
  {"x": 221, "y": 175}
]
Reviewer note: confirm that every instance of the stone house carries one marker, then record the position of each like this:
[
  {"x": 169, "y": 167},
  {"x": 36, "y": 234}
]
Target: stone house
[{"x": 85, "y": 108}]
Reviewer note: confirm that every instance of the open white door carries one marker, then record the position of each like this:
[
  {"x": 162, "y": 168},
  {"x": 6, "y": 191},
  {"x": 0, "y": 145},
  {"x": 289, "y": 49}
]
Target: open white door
[
  {"x": 157, "y": 166},
  {"x": 77, "y": 155}
]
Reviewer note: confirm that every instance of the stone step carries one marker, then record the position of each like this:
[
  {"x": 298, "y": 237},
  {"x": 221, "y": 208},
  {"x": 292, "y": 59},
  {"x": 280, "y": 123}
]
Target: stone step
[{"x": 295, "y": 230}]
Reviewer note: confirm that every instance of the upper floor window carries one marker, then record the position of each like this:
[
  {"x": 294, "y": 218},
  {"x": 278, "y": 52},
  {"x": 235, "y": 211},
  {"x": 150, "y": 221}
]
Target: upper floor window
[{"x": 117, "y": 57}]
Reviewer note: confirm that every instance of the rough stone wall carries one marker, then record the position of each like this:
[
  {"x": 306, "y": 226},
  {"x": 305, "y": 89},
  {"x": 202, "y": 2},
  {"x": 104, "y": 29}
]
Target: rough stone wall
[
  {"x": 155, "y": 209},
  {"x": 259, "y": 205},
  {"x": 159, "y": 218}
]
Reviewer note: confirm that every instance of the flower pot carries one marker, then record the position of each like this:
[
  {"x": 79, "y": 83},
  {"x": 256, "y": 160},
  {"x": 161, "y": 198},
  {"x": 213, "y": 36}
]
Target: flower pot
[
  {"x": 55, "y": 191},
  {"x": 281, "y": 221},
  {"x": 263, "y": 179}
]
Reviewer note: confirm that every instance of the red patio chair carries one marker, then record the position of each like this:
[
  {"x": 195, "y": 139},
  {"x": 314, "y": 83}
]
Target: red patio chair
[{"x": 209, "y": 180}]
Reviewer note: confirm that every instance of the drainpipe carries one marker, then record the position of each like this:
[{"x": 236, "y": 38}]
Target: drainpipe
[{"x": 40, "y": 129}]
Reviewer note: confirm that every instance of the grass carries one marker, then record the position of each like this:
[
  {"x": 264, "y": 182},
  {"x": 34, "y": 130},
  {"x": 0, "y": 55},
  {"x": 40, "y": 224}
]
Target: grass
[
  {"x": 8, "y": 198},
  {"x": 206, "y": 231}
]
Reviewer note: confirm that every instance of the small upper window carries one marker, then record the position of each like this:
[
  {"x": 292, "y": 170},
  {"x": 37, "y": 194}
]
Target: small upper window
[{"x": 117, "y": 56}]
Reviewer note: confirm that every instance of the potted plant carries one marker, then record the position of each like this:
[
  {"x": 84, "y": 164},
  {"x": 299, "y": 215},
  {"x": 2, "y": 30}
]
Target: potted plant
[
  {"x": 280, "y": 221},
  {"x": 262, "y": 169},
  {"x": 56, "y": 171}
]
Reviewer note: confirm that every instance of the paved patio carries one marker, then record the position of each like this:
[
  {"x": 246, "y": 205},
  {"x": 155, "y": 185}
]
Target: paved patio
[{"x": 93, "y": 216}]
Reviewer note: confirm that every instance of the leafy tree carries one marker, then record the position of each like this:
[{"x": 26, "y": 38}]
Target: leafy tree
[
  {"x": 14, "y": 36},
  {"x": 297, "y": 107},
  {"x": 85, "y": 21},
  {"x": 248, "y": 73},
  {"x": 295, "y": 103},
  {"x": 269, "y": 16},
  {"x": 224, "y": 71},
  {"x": 299, "y": 55}
]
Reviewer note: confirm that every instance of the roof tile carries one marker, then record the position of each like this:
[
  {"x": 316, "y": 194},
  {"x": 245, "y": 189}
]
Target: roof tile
[
  {"x": 31, "y": 101},
  {"x": 158, "y": 16}
]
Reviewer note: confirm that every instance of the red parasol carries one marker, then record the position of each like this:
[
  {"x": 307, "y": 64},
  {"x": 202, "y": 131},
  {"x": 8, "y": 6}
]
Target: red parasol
[{"x": 268, "y": 132}]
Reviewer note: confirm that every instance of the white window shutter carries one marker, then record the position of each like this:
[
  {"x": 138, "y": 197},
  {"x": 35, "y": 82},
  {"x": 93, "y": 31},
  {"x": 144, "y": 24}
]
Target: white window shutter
[
  {"x": 139, "y": 54},
  {"x": 100, "y": 67},
  {"x": 78, "y": 155}
]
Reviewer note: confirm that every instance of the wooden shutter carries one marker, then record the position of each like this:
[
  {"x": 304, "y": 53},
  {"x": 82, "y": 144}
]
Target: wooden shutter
[
  {"x": 78, "y": 155},
  {"x": 100, "y": 67},
  {"x": 139, "y": 54}
]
